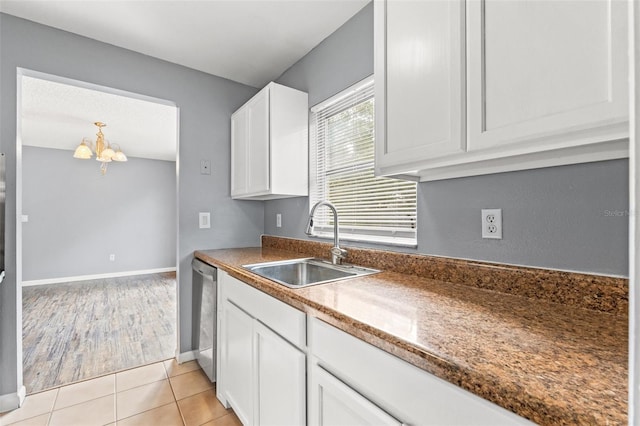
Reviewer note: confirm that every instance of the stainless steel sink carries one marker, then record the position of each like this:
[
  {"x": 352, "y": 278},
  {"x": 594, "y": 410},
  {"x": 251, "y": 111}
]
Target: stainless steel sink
[{"x": 298, "y": 273}]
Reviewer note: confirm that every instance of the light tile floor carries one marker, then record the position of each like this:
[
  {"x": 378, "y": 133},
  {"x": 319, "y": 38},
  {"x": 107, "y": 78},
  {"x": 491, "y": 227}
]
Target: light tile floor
[{"x": 165, "y": 393}]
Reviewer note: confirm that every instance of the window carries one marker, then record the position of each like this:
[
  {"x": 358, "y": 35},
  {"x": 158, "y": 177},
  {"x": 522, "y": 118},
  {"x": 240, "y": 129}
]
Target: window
[{"x": 370, "y": 208}]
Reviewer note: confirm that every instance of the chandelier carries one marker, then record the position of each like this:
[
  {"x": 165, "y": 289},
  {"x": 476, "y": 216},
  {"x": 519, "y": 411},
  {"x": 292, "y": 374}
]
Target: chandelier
[{"x": 104, "y": 152}]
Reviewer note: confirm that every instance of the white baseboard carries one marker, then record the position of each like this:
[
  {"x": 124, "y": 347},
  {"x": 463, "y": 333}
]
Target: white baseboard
[
  {"x": 96, "y": 276},
  {"x": 185, "y": 356},
  {"x": 11, "y": 401}
]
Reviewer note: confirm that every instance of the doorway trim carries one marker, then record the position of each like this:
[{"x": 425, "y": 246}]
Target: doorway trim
[
  {"x": 634, "y": 211},
  {"x": 24, "y": 72}
]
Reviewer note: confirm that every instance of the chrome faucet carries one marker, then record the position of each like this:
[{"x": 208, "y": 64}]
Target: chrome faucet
[{"x": 337, "y": 253}]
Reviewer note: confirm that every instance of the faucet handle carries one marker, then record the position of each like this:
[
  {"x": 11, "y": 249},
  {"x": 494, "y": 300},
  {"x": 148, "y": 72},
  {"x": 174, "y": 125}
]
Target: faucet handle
[
  {"x": 337, "y": 254},
  {"x": 309, "y": 230}
]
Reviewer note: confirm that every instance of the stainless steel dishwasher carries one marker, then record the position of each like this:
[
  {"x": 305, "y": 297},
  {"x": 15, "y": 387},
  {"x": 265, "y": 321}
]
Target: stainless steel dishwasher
[{"x": 204, "y": 316}]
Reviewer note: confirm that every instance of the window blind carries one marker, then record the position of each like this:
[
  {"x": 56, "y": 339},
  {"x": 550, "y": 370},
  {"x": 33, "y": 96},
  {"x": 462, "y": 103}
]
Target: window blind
[{"x": 370, "y": 208}]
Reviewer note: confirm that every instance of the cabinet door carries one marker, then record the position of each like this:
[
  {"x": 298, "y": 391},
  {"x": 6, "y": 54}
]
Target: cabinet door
[
  {"x": 334, "y": 403},
  {"x": 546, "y": 73},
  {"x": 258, "y": 144},
  {"x": 419, "y": 53},
  {"x": 238, "y": 378},
  {"x": 280, "y": 372},
  {"x": 239, "y": 140}
]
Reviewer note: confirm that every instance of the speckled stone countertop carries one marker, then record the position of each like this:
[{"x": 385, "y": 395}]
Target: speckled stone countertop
[{"x": 553, "y": 363}]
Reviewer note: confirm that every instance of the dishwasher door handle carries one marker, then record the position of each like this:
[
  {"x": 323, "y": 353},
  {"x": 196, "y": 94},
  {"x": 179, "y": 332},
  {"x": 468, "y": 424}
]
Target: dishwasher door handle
[{"x": 207, "y": 271}]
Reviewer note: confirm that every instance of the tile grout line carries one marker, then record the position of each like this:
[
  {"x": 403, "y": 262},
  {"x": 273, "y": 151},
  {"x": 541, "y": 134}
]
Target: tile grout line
[
  {"x": 145, "y": 384},
  {"x": 53, "y": 406},
  {"x": 226, "y": 413},
  {"x": 115, "y": 393},
  {"x": 175, "y": 401},
  {"x": 49, "y": 412},
  {"x": 145, "y": 411},
  {"x": 115, "y": 399},
  {"x": 77, "y": 403}
]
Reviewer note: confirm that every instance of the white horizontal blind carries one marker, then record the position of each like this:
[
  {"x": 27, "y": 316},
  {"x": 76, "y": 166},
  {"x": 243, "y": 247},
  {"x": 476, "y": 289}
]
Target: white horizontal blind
[{"x": 369, "y": 207}]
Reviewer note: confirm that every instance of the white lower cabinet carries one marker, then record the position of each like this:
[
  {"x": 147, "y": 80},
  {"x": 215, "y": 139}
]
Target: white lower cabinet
[
  {"x": 334, "y": 403},
  {"x": 281, "y": 371},
  {"x": 239, "y": 380},
  {"x": 262, "y": 375}
]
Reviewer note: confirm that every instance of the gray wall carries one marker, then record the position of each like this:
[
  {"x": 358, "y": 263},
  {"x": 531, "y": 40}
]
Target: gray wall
[
  {"x": 129, "y": 212},
  {"x": 552, "y": 218},
  {"x": 206, "y": 103}
]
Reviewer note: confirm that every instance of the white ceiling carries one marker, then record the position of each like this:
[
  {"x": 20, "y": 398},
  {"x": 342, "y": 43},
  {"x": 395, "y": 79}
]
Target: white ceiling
[
  {"x": 56, "y": 115},
  {"x": 249, "y": 41}
]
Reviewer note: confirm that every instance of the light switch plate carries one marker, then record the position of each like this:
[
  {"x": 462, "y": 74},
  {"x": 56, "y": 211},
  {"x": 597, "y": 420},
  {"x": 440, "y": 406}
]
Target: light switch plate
[{"x": 204, "y": 219}]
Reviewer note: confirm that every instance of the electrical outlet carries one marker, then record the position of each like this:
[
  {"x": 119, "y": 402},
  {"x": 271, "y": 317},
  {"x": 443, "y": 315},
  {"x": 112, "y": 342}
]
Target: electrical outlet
[
  {"x": 112, "y": 257},
  {"x": 279, "y": 220},
  {"x": 205, "y": 167},
  {"x": 492, "y": 223}
]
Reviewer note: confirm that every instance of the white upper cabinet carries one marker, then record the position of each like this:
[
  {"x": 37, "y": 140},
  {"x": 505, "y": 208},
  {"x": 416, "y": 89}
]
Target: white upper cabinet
[
  {"x": 269, "y": 145},
  {"x": 546, "y": 73},
  {"x": 544, "y": 84},
  {"x": 419, "y": 81}
]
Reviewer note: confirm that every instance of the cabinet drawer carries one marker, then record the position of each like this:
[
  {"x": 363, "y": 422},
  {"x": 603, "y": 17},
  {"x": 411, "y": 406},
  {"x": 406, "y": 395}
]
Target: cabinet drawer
[
  {"x": 285, "y": 320},
  {"x": 399, "y": 388}
]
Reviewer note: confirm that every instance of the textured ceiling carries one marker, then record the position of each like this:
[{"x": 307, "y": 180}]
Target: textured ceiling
[
  {"x": 56, "y": 115},
  {"x": 249, "y": 41}
]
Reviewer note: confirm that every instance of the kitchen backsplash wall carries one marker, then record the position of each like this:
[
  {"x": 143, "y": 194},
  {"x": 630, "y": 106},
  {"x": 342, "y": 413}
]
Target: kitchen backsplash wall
[
  {"x": 77, "y": 217},
  {"x": 569, "y": 218}
]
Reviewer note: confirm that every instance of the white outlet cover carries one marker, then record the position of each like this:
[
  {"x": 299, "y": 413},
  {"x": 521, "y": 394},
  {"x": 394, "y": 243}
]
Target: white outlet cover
[
  {"x": 492, "y": 229},
  {"x": 279, "y": 220},
  {"x": 205, "y": 167}
]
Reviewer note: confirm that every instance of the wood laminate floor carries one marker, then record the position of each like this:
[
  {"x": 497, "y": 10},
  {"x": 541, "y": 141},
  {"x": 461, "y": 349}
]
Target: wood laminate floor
[{"x": 75, "y": 331}]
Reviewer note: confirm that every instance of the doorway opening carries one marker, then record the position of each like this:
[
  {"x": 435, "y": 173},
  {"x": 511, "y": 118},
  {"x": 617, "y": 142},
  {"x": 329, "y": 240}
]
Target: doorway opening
[{"x": 98, "y": 247}]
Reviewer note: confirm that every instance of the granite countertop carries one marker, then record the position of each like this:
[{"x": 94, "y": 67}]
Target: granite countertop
[{"x": 549, "y": 362}]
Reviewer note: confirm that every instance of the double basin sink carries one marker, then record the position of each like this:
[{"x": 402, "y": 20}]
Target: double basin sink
[{"x": 305, "y": 272}]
